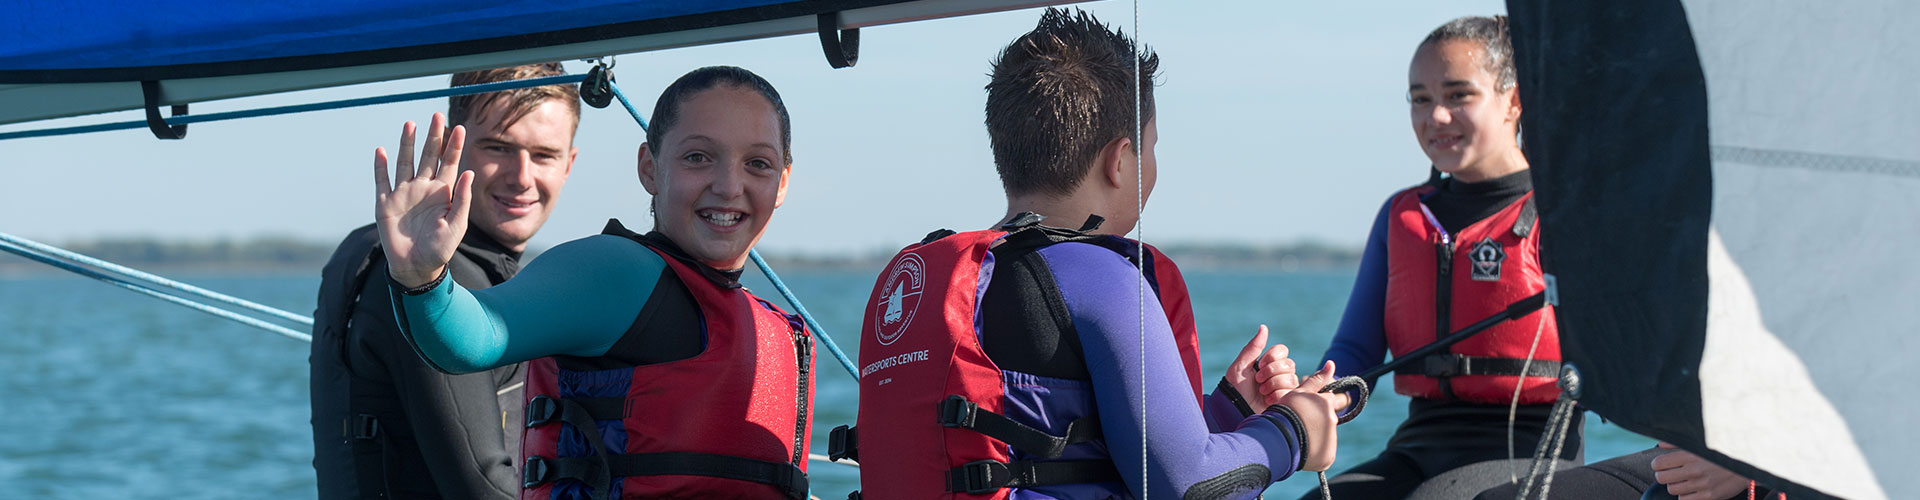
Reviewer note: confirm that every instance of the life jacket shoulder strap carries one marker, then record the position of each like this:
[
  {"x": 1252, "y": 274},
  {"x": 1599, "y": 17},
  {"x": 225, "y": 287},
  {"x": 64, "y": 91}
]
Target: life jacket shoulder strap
[
  {"x": 958, "y": 412},
  {"x": 1523, "y": 225}
]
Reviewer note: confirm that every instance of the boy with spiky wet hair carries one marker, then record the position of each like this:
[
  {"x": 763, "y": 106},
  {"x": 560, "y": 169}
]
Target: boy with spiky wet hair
[{"x": 1058, "y": 356}]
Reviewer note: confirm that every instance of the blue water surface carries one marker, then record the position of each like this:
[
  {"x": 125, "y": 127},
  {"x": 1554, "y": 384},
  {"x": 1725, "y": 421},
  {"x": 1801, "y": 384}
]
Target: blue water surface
[{"x": 111, "y": 394}]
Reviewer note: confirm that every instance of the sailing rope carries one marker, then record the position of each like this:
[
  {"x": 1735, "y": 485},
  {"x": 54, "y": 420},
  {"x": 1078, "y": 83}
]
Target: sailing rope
[
  {"x": 77, "y": 264},
  {"x": 1548, "y": 451},
  {"x": 1513, "y": 408},
  {"x": 792, "y": 300},
  {"x": 301, "y": 108}
]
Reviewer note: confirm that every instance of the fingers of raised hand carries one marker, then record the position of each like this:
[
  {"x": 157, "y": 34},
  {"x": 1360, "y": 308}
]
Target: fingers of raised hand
[
  {"x": 430, "y": 152},
  {"x": 450, "y": 154},
  {"x": 405, "y": 163},
  {"x": 381, "y": 186},
  {"x": 462, "y": 198}
]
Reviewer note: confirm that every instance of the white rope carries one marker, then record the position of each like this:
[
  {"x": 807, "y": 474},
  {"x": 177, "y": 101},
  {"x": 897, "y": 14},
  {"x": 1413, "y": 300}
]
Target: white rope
[
  {"x": 1513, "y": 408},
  {"x": 1140, "y": 237}
]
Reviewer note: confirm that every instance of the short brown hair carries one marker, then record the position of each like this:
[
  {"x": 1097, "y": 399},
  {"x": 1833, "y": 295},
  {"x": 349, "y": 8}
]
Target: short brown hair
[
  {"x": 1058, "y": 94},
  {"x": 519, "y": 102}
]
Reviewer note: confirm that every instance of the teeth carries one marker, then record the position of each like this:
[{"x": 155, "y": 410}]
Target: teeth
[{"x": 721, "y": 219}]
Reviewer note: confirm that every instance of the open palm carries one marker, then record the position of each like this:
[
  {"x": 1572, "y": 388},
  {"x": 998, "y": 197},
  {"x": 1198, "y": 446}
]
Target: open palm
[{"x": 422, "y": 213}]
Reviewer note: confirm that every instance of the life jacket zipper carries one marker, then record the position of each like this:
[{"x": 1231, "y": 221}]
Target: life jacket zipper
[{"x": 803, "y": 352}]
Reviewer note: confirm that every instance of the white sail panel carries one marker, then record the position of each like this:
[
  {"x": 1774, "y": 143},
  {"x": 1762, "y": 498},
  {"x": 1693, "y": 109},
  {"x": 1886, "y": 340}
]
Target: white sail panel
[{"x": 1816, "y": 162}]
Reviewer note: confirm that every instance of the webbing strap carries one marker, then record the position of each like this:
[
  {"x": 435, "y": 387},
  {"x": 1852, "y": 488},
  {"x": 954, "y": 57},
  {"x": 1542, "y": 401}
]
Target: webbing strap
[
  {"x": 786, "y": 477},
  {"x": 957, "y": 411},
  {"x": 599, "y": 469},
  {"x": 1455, "y": 365},
  {"x": 592, "y": 470},
  {"x": 986, "y": 476},
  {"x": 543, "y": 409}
]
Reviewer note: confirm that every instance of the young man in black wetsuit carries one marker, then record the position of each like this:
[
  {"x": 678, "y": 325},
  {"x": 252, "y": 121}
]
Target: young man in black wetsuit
[
  {"x": 1444, "y": 255},
  {"x": 385, "y": 424}
]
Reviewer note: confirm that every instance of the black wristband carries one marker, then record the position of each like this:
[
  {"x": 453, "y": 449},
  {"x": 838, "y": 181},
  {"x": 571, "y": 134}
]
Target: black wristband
[
  {"x": 1299, "y": 429},
  {"x": 1246, "y": 410},
  {"x": 422, "y": 289}
]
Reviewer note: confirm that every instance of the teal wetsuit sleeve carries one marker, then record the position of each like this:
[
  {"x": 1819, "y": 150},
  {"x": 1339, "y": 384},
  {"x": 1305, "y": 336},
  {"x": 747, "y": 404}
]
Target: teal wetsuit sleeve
[{"x": 577, "y": 299}]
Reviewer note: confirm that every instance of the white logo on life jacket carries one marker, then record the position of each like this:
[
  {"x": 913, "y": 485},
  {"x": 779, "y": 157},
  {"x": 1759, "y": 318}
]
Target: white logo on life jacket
[
  {"x": 1486, "y": 256},
  {"x": 901, "y": 293}
]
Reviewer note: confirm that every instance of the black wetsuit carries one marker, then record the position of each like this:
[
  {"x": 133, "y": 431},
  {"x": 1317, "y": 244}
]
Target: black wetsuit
[
  {"x": 1625, "y": 477},
  {"x": 430, "y": 434},
  {"x": 1440, "y": 436}
]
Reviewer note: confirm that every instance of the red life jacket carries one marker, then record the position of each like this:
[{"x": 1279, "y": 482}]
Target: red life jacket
[
  {"x": 931, "y": 421},
  {"x": 1438, "y": 283},
  {"x": 730, "y": 422}
]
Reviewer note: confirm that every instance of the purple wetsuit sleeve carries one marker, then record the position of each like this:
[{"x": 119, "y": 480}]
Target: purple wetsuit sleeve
[
  {"x": 1361, "y": 342},
  {"x": 1222, "y": 414},
  {"x": 1101, "y": 291}
]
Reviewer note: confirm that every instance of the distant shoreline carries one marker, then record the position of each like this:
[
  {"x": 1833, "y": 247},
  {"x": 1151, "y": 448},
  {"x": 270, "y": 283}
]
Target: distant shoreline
[{"x": 286, "y": 256}]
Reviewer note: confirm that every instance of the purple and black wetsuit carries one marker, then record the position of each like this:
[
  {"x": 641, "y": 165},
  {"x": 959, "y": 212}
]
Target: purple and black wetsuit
[{"x": 1067, "y": 326}]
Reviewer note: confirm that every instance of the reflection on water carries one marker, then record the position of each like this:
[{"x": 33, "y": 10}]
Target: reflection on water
[{"x": 110, "y": 394}]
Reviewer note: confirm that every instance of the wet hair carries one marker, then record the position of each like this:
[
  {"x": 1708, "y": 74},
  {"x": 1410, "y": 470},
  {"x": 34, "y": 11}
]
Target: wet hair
[
  {"x": 519, "y": 102},
  {"x": 666, "y": 111},
  {"x": 1057, "y": 95},
  {"x": 1489, "y": 32}
]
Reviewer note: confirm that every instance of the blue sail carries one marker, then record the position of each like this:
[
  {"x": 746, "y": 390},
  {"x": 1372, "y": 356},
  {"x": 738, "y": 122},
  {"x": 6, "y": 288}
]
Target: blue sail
[{"x": 58, "y": 61}]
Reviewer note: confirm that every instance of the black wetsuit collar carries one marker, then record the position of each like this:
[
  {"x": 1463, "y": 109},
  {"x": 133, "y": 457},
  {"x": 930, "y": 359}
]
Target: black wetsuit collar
[
  {"x": 1498, "y": 187},
  {"x": 729, "y": 279},
  {"x": 494, "y": 258},
  {"x": 658, "y": 241},
  {"x": 1457, "y": 204}
]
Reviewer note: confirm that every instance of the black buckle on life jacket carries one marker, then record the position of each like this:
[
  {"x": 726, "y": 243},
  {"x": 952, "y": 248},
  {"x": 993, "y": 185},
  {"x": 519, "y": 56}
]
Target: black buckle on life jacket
[
  {"x": 985, "y": 476},
  {"x": 1445, "y": 365},
  {"x": 956, "y": 411},
  {"x": 843, "y": 442},
  {"x": 542, "y": 409},
  {"x": 362, "y": 426},
  {"x": 979, "y": 477},
  {"x": 535, "y": 472},
  {"x": 1441, "y": 364}
]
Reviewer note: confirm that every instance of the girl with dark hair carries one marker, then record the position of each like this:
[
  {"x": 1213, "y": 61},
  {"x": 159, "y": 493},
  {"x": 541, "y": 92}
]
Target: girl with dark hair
[
  {"x": 653, "y": 373},
  {"x": 1446, "y": 254}
]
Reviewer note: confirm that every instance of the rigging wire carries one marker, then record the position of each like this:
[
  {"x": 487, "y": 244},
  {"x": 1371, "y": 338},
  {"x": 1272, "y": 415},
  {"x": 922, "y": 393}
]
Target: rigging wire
[
  {"x": 23, "y": 251},
  {"x": 1140, "y": 239},
  {"x": 52, "y": 251}
]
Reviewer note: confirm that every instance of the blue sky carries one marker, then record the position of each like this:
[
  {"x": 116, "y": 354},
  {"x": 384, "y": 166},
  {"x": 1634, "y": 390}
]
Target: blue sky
[{"x": 1279, "y": 122}]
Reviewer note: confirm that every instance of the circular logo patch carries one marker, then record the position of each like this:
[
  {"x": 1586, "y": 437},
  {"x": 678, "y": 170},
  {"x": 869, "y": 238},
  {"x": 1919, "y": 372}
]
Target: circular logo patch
[{"x": 899, "y": 298}]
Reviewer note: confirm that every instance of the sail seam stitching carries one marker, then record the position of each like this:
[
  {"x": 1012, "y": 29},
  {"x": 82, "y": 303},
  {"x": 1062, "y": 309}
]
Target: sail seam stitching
[{"x": 1777, "y": 158}]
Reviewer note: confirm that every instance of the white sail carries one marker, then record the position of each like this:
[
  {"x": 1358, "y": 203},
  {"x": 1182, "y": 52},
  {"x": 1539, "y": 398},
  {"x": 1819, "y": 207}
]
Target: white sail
[{"x": 1816, "y": 162}]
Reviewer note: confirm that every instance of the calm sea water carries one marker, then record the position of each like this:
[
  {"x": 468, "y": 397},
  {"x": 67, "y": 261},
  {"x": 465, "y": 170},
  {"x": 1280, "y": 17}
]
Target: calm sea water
[{"x": 106, "y": 393}]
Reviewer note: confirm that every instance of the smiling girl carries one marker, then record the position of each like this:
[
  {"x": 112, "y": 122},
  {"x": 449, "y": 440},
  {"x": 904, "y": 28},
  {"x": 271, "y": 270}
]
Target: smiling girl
[
  {"x": 653, "y": 373},
  {"x": 1443, "y": 255}
]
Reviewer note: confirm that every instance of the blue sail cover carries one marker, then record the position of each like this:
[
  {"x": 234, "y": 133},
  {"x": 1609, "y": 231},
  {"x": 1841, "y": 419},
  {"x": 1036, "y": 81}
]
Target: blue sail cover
[
  {"x": 63, "y": 59},
  {"x": 56, "y": 42}
]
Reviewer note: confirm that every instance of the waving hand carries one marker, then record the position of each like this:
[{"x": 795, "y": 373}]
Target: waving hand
[{"x": 422, "y": 214}]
